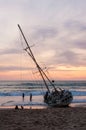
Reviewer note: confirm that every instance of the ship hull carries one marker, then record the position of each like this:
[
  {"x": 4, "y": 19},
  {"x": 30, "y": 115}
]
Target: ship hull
[{"x": 58, "y": 98}]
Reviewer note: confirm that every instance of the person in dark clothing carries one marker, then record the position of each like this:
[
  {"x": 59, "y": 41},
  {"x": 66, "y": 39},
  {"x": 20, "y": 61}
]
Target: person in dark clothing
[
  {"x": 46, "y": 95},
  {"x": 23, "y": 96},
  {"x": 16, "y": 107},
  {"x": 30, "y": 97},
  {"x": 22, "y": 107}
]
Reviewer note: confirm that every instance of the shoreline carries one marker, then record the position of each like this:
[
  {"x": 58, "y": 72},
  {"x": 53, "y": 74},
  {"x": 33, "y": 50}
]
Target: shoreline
[
  {"x": 36, "y": 106},
  {"x": 69, "y": 118},
  {"x": 24, "y": 107}
]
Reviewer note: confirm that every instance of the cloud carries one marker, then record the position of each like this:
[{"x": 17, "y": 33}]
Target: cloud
[
  {"x": 59, "y": 26},
  {"x": 80, "y": 44},
  {"x": 9, "y": 51},
  {"x": 44, "y": 33},
  {"x": 70, "y": 58},
  {"x": 69, "y": 55},
  {"x": 15, "y": 68},
  {"x": 75, "y": 25}
]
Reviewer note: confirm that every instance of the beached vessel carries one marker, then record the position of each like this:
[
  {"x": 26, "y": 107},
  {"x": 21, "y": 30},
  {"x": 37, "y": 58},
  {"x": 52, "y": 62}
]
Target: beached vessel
[{"x": 52, "y": 97}]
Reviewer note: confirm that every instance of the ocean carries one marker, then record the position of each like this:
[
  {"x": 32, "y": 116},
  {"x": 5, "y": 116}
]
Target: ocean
[{"x": 11, "y": 93}]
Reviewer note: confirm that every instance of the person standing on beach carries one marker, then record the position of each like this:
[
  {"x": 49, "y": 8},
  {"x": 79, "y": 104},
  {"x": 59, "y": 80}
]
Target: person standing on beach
[
  {"x": 30, "y": 97},
  {"x": 16, "y": 107},
  {"x": 23, "y": 96}
]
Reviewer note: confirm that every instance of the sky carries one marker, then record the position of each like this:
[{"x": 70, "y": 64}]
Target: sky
[{"x": 56, "y": 32}]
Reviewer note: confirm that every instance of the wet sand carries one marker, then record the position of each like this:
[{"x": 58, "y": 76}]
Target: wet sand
[{"x": 71, "y": 118}]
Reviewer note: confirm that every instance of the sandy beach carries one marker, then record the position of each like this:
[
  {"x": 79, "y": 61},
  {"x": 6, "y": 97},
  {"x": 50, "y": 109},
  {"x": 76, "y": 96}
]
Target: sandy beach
[{"x": 43, "y": 119}]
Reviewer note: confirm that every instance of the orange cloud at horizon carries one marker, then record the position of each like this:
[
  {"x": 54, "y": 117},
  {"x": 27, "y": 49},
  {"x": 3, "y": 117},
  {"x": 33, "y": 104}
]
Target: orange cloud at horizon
[
  {"x": 57, "y": 75},
  {"x": 69, "y": 75}
]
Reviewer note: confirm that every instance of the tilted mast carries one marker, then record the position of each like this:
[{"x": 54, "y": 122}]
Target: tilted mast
[{"x": 30, "y": 53}]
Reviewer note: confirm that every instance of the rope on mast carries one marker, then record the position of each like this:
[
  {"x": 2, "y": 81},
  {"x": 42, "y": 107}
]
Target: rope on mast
[{"x": 30, "y": 53}]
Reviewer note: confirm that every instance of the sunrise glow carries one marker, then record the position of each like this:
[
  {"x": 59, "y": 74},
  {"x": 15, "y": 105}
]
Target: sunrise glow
[{"x": 56, "y": 32}]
